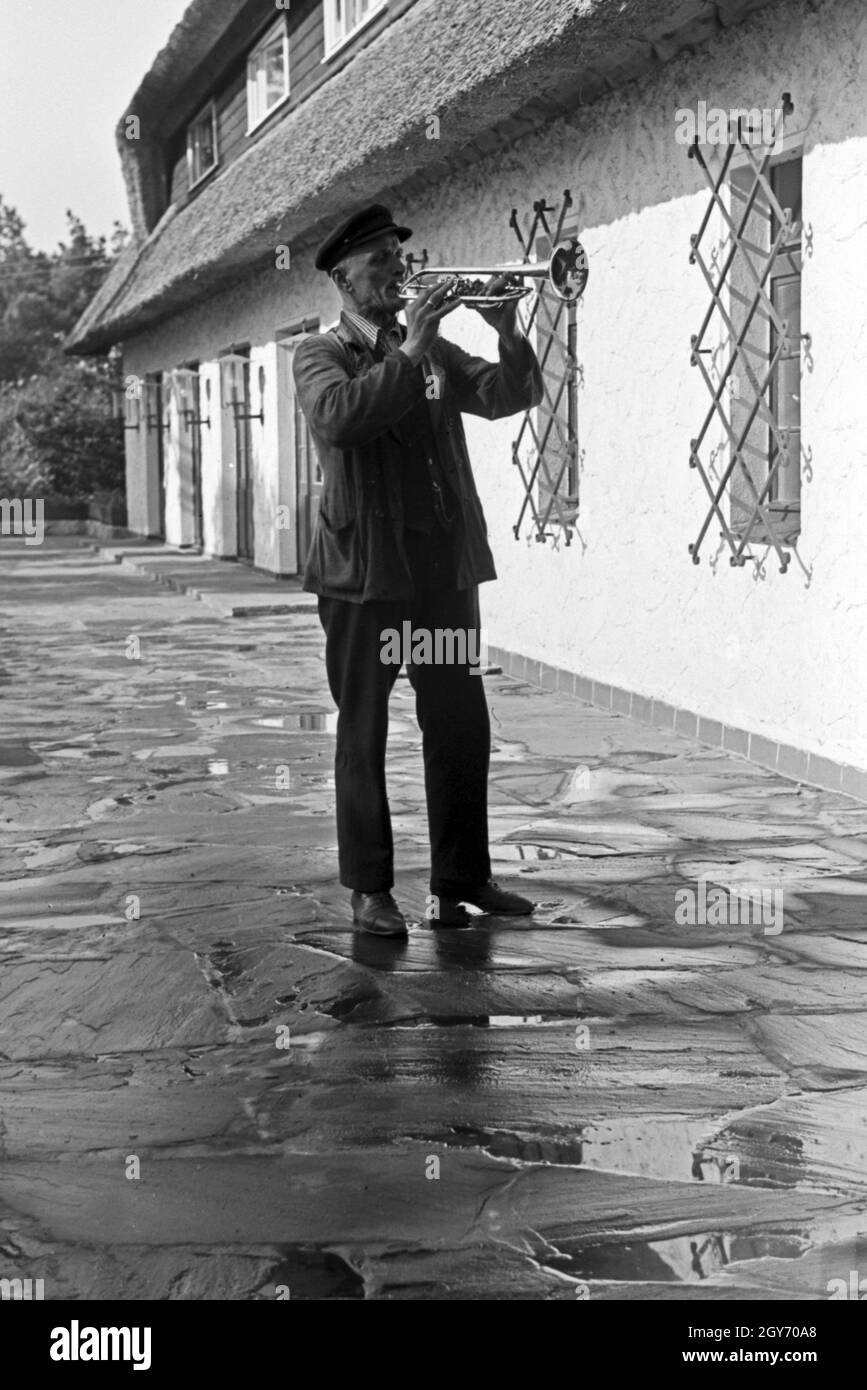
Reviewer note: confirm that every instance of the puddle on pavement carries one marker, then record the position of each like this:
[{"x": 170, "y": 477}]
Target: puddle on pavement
[
  {"x": 62, "y": 922},
  {"x": 479, "y": 1021},
  {"x": 226, "y": 965},
  {"x": 310, "y": 1273},
  {"x": 170, "y": 783},
  {"x": 323, "y": 722},
  {"x": 306, "y": 1042},
  {"x": 48, "y": 854},
  {"x": 527, "y": 850},
  {"x": 669, "y": 1150},
  {"x": 502, "y": 752},
  {"x": 685, "y": 1259},
  {"x": 504, "y": 1144},
  {"x": 778, "y": 1160},
  {"x": 100, "y": 851},
  {"x": 81, "y": 753},
  {"x": 315, "y": 721},
  {"x": 17, "y": 755}
]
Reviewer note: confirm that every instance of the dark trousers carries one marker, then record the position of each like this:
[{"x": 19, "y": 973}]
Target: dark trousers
[{"x": 452, "y": 713}]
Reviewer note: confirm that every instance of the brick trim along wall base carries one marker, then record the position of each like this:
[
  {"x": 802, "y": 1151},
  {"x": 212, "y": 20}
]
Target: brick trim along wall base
[{"x": 788, "y": 761}]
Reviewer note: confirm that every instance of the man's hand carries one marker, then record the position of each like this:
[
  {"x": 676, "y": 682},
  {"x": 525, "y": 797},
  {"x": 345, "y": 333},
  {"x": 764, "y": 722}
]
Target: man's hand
[
  {"x": 502, "y": 317},
  {"x": 423, "y": 316}
]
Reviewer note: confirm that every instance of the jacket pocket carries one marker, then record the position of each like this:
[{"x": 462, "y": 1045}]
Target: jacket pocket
[
  {"x": 336, "y": 556},
  {"x": 337, "y": 508}
]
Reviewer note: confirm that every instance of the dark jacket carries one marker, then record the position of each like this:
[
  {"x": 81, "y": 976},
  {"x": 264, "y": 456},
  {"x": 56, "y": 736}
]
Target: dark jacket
[{"x": 354, "y": 403}]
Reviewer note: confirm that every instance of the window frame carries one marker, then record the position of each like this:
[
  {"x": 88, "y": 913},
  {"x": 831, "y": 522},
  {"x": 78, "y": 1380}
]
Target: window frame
[
  {"x": 336, "y": 37},
  {"x": 785, "y": 513},
  {"x": 208, "y": 110},
  {"x": 255, "y": 116},
  {"x": 566, "y": 412}
]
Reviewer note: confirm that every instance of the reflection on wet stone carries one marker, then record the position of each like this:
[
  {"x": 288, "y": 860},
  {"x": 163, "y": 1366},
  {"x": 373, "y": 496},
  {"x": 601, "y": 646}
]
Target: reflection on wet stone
[{"x": 687, "y": 1259}]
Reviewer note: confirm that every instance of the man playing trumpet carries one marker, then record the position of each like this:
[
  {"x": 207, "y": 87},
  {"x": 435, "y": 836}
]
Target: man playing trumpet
[{"x": 401, "y": 536}]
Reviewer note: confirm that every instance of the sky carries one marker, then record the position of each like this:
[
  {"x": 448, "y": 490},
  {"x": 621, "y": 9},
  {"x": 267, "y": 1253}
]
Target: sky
[{"x": 68, "y": 70}]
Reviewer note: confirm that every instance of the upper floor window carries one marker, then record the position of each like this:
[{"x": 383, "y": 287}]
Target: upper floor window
[
  {"x": 268, "y": 74},
  {"x": 202, "y": 155},
  {"x": 343, "y": 17}
]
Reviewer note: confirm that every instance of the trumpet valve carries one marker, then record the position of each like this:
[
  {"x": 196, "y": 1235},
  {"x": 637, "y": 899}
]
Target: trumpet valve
[{"x": 462, "y": 287}]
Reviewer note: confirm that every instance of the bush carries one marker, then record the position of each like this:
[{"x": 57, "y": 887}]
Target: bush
[
  {"x": 56, "y": 433},
  {"x": 57, "y": 436}
]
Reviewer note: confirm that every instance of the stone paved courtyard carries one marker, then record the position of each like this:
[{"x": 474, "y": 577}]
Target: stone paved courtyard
[{"x": 600, "y": 1101}]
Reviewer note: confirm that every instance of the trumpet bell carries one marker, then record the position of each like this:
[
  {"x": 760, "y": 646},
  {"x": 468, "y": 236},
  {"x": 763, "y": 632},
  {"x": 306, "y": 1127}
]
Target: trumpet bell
[{"x": 568, "y": 269}]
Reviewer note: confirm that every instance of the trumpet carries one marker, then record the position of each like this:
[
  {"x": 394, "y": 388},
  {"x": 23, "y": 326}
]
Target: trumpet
[{"x": 566, "y": 273}]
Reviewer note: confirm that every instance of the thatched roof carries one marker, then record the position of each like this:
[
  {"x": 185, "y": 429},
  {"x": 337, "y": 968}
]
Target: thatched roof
[
  {"x": 480, "y": 64},
  {"x": 171, "y": 91}
]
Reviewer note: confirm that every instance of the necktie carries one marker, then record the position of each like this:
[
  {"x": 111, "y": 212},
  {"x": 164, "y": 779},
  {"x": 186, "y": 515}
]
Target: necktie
[{"x": 391, "y": 341}]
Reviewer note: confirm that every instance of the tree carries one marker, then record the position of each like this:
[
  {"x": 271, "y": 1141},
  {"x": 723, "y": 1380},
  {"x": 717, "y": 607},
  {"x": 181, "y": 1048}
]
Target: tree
[{"x": 56, "y": 430}]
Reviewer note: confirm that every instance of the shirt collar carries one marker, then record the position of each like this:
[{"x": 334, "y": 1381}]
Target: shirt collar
[{"x": 369, "y": 331}]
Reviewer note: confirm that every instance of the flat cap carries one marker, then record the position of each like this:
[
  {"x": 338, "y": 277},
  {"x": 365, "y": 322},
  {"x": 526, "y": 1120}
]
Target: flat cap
[{"x": 361, "y": 227}]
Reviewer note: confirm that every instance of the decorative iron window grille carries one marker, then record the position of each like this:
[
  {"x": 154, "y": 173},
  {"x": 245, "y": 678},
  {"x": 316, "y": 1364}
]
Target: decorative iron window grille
[
  {"x": 748, "y": 347},
  {"x": 546, "y": 451}
]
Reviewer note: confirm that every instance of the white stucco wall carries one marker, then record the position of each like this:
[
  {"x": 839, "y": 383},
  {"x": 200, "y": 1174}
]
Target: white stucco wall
[{"x": 783, "y": 655}]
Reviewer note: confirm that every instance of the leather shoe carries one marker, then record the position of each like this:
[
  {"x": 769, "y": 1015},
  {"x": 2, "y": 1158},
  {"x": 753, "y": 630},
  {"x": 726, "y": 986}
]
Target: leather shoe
[
  {"x": 378, "y": 914},
  {"x": 489, "y": 898}
]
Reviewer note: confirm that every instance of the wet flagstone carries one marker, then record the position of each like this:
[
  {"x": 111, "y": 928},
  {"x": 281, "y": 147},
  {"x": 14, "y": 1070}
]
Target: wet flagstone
[{"x": 601, "y": 1100}]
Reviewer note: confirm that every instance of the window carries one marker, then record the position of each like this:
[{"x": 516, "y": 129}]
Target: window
[
  {"x": 546, "y": 451},
  {"x": 267, "y": 74},
  {"x": 747, "y": 450},
  {"x": 557, "y": 414},
  {"x": 771, "y": 444},
  {"x": 202, "y": 154},
  {"x": 785, "y": 394},
  {"x": 344, "y": 17}
]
